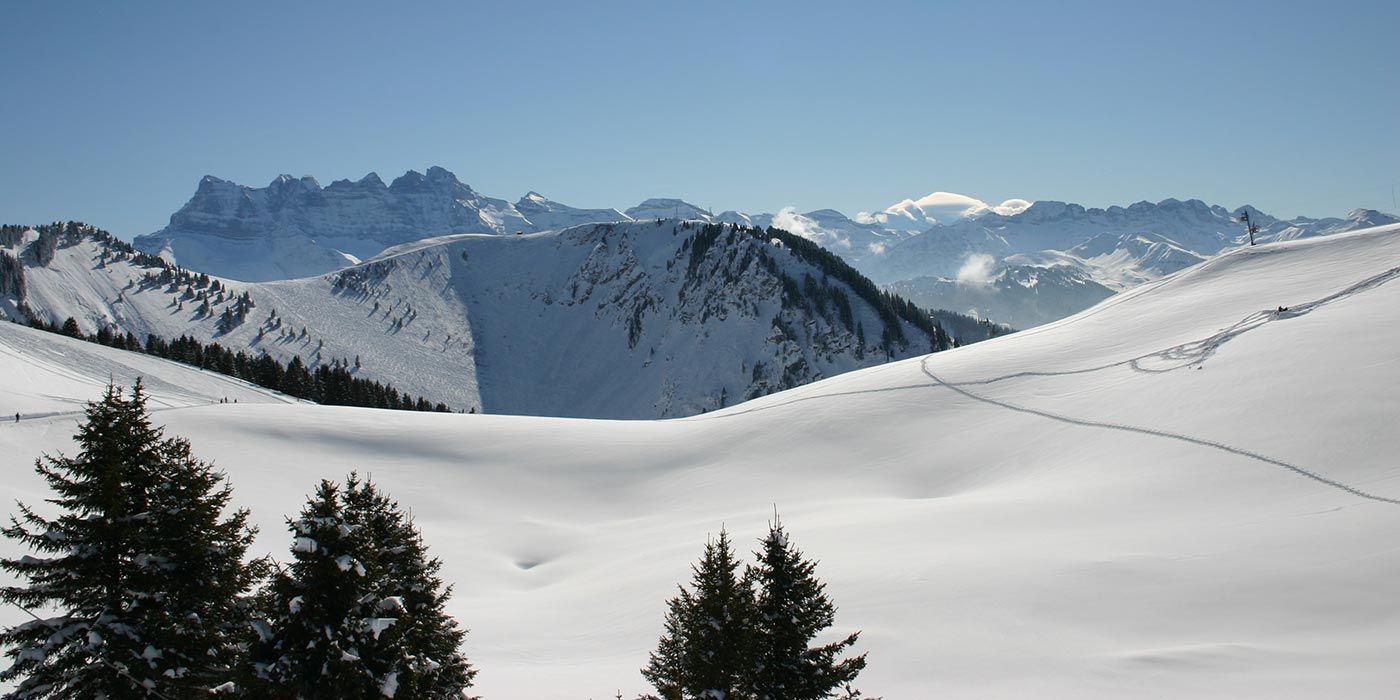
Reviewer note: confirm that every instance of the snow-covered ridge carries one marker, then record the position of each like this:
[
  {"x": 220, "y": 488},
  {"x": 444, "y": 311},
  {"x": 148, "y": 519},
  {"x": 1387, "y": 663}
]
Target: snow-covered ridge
[
  {"x": 1183, "y": 491},
  {"x": 627, "y": 320}
]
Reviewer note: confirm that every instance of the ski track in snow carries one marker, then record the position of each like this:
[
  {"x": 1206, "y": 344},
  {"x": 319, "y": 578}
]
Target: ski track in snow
[
  {"x": 1159, "y": 433},
  {"x": 1183, "y": 355}
]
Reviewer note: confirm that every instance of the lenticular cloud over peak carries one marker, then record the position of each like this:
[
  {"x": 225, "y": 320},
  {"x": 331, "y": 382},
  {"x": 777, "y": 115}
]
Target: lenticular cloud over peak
[
  {"x": 938, "y": 208},
  {"x": 1012, "y": 207}
]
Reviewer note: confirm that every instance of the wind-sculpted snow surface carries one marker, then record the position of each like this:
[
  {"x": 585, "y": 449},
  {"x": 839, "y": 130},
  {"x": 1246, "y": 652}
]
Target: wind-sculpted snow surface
[{"x": 1030, "y": 516}]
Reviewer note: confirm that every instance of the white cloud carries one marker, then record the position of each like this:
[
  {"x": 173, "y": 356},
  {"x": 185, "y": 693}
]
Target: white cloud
[
  {"x": 789, "y": 220},
  {"x": 937, "y": 207},
  {"x": 1012, "y": 206},
  {"x": 947, "y": 206},
  {"x": 977, "y": 270}
]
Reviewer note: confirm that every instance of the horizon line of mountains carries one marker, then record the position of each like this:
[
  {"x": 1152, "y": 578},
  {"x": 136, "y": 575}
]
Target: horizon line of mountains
[
  {"x": 358, "y": 219},
  {"x": 1021, "y": 263},
  {"x": 675, "y": 310}
]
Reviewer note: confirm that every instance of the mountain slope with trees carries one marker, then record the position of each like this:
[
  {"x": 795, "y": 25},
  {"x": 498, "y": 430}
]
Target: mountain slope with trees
[{"x": 631, "y": 320}]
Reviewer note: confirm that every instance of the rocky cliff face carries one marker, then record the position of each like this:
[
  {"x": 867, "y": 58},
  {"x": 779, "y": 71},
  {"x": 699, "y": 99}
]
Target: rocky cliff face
[{"x": 296, "y": 228}]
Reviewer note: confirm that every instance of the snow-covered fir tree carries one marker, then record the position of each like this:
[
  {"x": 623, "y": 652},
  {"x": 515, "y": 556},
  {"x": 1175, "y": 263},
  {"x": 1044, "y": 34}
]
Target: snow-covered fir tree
[
  {"x": 141, "y": 571},
  {"x": 358, "y": 613},
  {"x": 426, "y": 639},
  {"x": 707, "y": 646},
  {"x": 793, "y": 609}
]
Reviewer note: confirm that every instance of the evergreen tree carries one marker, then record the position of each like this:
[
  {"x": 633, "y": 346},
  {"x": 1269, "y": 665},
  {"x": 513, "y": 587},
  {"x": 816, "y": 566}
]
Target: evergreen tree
[
  {"x": 707, "y": 645},
  {"x": 359, "y": 611},
  {"x": 792, "y": 609},
  {"x": 425, "y": 641},
  {"x": 145, "y": 573}
]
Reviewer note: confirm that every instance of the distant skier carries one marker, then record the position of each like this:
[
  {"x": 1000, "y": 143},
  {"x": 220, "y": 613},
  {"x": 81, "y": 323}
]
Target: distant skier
[{"x": 16, "y": 417}]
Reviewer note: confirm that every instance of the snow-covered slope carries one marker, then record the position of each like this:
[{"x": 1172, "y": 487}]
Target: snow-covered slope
[
  {"x": 1181, "y": 492},
  {"x": 1307, "y": 228},
  {"x": 1128, "y": 260},
  {"x": 50, "y": 374},
  {"x": 1056, "y": 226},
  {"x": 627, "y": 320}
]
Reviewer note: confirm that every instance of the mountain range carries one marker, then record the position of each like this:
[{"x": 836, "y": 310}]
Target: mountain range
[
  {"x": 1018, "y": 262},
  {"x": 296, "y": 228}
]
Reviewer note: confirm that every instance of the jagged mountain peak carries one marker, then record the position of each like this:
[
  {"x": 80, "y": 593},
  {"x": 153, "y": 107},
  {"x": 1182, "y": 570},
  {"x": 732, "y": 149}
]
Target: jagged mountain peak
[
  {"x": 294, "y": 228},
  {"x": 409, "y": 181},
  {"x": 371, "y": 182},
  {"x": 437, "y": 172}
]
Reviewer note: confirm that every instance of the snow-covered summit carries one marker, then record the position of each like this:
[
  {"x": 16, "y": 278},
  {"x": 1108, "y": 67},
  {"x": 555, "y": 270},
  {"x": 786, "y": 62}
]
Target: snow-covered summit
[
  {"x": 545, "y": 213},
  {"x": 668, "y": 208}
]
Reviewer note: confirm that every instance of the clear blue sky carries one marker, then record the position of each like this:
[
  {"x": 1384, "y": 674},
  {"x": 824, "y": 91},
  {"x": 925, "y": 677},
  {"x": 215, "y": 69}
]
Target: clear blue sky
[{"x": 113, "y": 110}]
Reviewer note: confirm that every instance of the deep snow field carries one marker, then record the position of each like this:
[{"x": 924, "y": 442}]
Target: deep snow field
[{"x": 1177, "y": 493}]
